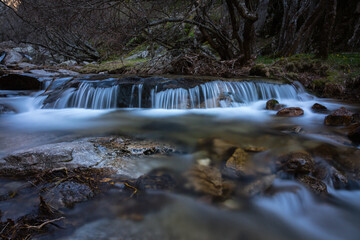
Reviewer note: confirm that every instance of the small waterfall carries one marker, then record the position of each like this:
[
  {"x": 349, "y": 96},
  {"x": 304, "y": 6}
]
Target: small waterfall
[
  {"x": 221, "y": 94},
  {"x": 88, "y": 96},
  {"x": 215, "y": 94}
]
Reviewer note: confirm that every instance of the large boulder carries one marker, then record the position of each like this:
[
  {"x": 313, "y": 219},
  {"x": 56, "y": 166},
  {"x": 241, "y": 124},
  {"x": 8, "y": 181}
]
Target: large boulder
[
  {"x": 19, "y": 82},
  {"x": 340, "y": 117},
  {"x": 290, "y": 112}
]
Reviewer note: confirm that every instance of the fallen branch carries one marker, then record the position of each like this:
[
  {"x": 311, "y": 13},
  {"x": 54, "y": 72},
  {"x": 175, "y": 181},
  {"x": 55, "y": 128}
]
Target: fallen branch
[{"x": 44, "y": 224}]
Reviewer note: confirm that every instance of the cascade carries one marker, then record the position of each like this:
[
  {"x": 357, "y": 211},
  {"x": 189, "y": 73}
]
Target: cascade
[{"x": 206, "y": 95}]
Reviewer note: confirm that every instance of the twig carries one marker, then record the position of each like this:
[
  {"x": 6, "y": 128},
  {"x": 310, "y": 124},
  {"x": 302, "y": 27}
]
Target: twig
[
  {"x": 4, "y": 228},
  {"x": 44, "y": 223}
]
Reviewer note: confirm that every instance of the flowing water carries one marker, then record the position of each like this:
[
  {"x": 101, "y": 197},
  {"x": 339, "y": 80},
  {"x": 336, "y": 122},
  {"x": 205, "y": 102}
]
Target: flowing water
[{"x": 180, "y": 115}]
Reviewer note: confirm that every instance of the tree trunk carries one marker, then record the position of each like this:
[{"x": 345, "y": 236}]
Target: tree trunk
[{"x": 327, "y": 28}]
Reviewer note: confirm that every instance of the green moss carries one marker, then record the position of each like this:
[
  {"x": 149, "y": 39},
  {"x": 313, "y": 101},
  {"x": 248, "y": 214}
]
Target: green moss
[{"x": 108, "y": 66}]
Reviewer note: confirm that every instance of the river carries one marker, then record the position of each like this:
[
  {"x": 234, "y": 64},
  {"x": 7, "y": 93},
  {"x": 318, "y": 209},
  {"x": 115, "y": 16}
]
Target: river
[{"x": 182, "y": 116}]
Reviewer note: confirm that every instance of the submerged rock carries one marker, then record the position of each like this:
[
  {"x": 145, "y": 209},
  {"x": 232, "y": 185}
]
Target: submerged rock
[
  {"x": 260, "y": 185},
  {"x": 206, "y": 180},
  {"x": 238, "y": 161},
  {"x": 340, "y": 117},
  {"x": 290, "y": 112},
  {"x": 313, "y": 184},
  {"x": 158, "y": 179},
  {"x": 318, "y": 108},
  {"x": 297, "y": 162}
]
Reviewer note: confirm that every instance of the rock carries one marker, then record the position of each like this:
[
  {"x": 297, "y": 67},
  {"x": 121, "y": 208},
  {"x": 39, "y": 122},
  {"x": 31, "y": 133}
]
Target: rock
[
  {"x": 338, "y": 179},
  {"x": 19, "y": 82},
  {"x": 42, "y": 72},
  {"x": 273, "y": 104},
  {"x": 158, "y": 179},
  {"x": 66, "y": 194},
  {"x": 313, "y": 184},
  {"x": 69, "y": 63},
  {"x": 26, "y": 65},
  {"x": 251, "y": 148},
  {"x": 260, "y": 70},
  {"x": 340, "y": 117},
  {"x": 204, "y": 179},
  {"x": 333, "y": 90},
  {"x": 238, "y": 161},
  {"x": 12, "y": 57},
  {"x": 67, "y": 72},
  {"x": 258, "y": 186},
  {"x": 297, "y": 162},
  {"x": 119, "y": 157},
  {"x": 354, "y": 133},
  {"x": 219, "y": 149},
  {"x": 318, "y": 108},
  {"x": 204, "y": 161},
  {"x": 290, "y": 112}
]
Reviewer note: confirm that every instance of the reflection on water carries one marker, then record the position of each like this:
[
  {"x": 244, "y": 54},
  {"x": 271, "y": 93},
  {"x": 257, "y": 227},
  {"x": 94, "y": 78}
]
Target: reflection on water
[{"x": 282, "y": 214}]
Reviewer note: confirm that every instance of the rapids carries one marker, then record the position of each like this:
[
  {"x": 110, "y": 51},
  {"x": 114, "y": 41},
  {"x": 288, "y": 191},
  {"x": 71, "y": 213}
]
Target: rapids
[{"x": 182, "y": 115}]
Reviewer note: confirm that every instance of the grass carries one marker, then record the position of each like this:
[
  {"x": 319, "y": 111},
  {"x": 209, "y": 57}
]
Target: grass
[{"x": 111, "y": 65}]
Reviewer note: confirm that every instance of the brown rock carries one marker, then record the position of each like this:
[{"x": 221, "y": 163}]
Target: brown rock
[
  {"x": 219, "y": 149},
  {"x": 338, "y": 179},
  {"x": 333, "y": 90},
  {"x": 238, "y": 161},
  {"x": 290, "y": 112},
  {"x": 251, "y": 148},
  {"x": 298, "y": 162},
  {"x": 318, "y": 108},
  {"x": 204, "y": 179},
  {"x": 340, "y": 117},
  {"x": 313, "y": 184}
]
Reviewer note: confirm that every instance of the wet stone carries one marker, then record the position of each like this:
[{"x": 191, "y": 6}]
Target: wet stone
[
  {"x": 66, "y": 194},
  {"x": 290, "y": 112},
  {"x": 158, "y": 179},
  {"x": 318, "y": 108},
  {"x": 273, "y": 104},
  {"x": 238, "y": 161},
  {"x": 297, "y": 162},
  {"x": 204, "y": 179},
  {"x": 315, "y": 185},
  {"x": 340, "y": 117}
]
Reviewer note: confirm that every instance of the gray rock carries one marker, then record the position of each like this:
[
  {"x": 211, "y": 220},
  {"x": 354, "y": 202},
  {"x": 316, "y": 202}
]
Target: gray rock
[
  {"x": 67, "y": 72},
  {"x": 26, "y": 65},
  {"x": 69, "y": 63},
  {"x": 130, "y": 160},
  {"x": 44, "y": 73},
  {"x": 12, "y": 57},
  {"x": 66, "y": 194}
]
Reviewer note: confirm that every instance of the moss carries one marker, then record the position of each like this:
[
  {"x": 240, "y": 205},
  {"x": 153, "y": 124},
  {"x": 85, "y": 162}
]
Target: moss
[{"x": 111, "y": 66}]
